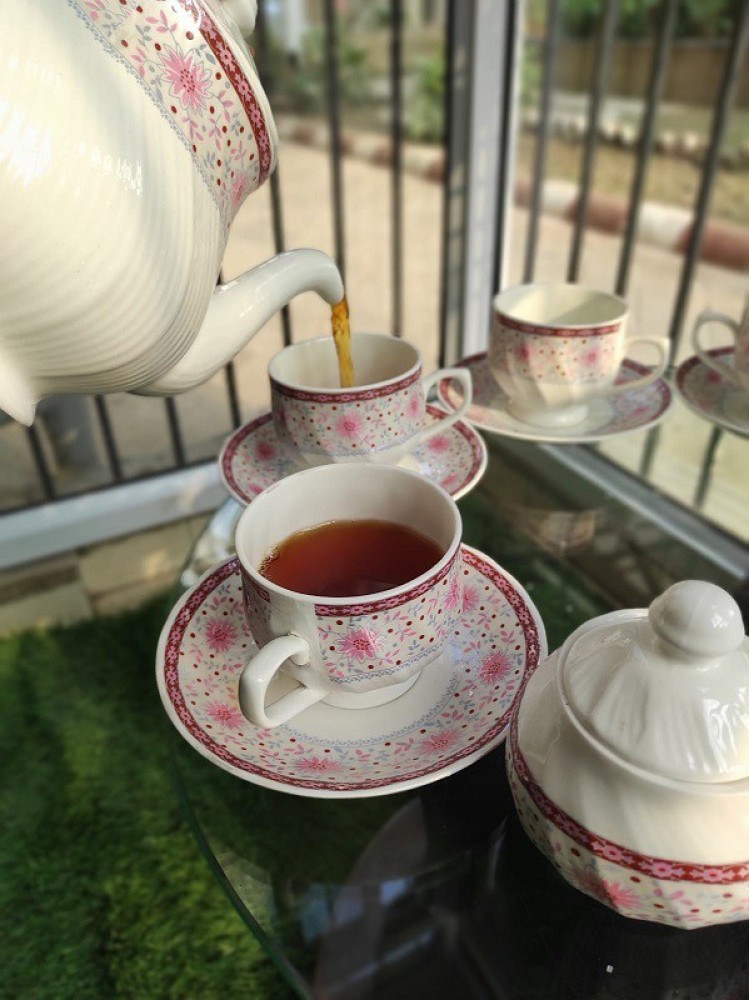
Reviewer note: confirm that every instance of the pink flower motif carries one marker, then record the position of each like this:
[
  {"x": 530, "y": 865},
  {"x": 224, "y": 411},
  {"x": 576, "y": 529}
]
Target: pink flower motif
[
  {"x": 619, "y": 896},
  {"x": 349, "y": 425},
  {"x": 220, "y": 635},
  {"x": 612, "y": 852},
  {"x": 238, "y": 190},
  {"x": 226, "y": 715},
  {"x": 361, "y": 645},
  {"x": 495, "y": 667},
  {"x": 188, "y": 79},
  {"x": 439, "y": 742},
  {"x": 591, "y": 358},
  {"x": 415, "y": 402},
  {"x": 524, "y": 354},
  {"x": 317, "y": 765},
  {"x": 470, "y": 599},
  {"x": 454, "y": 596},
  {"x": 94, "y": 7},
  {"x": 265, "y": 451},
  {"x": 708, "y": 874},
  {"x": 439, "y": 443}
]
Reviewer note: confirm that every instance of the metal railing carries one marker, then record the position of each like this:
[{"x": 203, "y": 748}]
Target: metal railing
[{"x": 480, "y": 107}]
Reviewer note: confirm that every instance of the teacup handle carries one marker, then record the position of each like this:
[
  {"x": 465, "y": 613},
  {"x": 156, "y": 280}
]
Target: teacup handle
[
  {"x": 662, "y": 345},
  {"x": 708, "y": 316},
  {"x": 461, "y": 375},
  {"x": 260, "y": 671}
]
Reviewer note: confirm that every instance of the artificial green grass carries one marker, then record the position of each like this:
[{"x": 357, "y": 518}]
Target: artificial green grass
[{"x": 103, "y": 891}]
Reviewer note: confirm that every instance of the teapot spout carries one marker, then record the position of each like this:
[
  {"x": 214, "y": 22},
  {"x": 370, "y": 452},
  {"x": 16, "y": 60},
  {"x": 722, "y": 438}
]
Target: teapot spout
[{"x": 240, "y": 308}]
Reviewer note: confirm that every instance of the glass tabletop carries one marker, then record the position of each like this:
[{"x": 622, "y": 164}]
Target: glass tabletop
[{"x": 436, "y": 891}]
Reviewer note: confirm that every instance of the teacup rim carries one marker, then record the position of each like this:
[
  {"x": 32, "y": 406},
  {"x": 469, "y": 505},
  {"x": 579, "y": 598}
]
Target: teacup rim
[
  {"x": 556, "y": 326},
  {"x": 361, "y": 601},
  {"x": 348, "y": 391}
]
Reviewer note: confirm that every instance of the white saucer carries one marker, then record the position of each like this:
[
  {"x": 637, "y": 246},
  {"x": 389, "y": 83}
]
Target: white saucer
[
  {"x": 252, "y": 458},
  {"x": 716, "y": 398},
  {"x": 621, "y": 414},
  {"x": 457, "y": 711}
]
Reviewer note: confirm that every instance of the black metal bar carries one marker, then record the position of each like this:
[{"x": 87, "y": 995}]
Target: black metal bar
[
  {"x": 553, "y": 23},
  {"x": 600, "y": 74},
  {"x": 652, "y": 441},
  {"x": 739, "y": 39},
  {"x": 334, "y": 120},
  {"x": 110, "y": 444},
  {"x": 504, "y": 169},
  {"x": 231, "y": 378},
  {"x": 37, "y": 452},
  {"x": 279, "y": 241},
  {"x": 458, "y": 65},
  {"x": 280, "y": 245},
  {"x": 175, "y": 434},
  {"x": 396, "y": 70},
  {"x": 231, "y": 388},
  {"x": 653, "y": 92},
  {"x": 708, "y": 463}
]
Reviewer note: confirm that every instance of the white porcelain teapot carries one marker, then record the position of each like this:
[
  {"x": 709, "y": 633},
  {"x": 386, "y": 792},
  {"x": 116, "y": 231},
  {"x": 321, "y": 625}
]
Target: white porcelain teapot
[
  {"x": 629, "y": 759},
  {"x": 130, "y": 133}
]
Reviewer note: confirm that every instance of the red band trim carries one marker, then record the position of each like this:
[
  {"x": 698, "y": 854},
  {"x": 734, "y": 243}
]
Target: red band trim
[
  {"x": 244, "y": 91},
  {"x": 609, "y": 850},
  {"x": 551, "y": 331},
  {"x": 353, "y": 396}
]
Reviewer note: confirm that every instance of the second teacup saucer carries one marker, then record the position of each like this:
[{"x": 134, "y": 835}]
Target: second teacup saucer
[
  {"x": 628, "y": 411},
  {"x": 711, "y": 395},
  {"x": 252, "y": 458},
  {"x": 457, "y": 711}
]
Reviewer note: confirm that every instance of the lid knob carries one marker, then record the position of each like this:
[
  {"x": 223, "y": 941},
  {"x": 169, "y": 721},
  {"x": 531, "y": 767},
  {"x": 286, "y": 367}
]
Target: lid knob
[{"x": 699, "y": 618}]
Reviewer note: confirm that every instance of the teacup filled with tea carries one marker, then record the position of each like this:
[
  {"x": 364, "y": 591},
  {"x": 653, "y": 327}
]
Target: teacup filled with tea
[
  {"x": 351, "y": 576},
  {"x": 363, "y": 400}
]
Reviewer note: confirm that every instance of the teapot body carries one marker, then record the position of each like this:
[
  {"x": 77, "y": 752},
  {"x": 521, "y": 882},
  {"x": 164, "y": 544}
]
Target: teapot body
[
  {"x": 131, "y": 133},
  {"x": 648, "y": 845}
]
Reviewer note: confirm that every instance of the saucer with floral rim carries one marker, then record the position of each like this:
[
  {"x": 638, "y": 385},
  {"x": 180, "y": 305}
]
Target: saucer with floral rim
[
  {"x": 711, "y": 395},
  {"x": 457, "y": 711},
  {"x": 607, "y": 417},
  {"x": 252, "y": 458}
]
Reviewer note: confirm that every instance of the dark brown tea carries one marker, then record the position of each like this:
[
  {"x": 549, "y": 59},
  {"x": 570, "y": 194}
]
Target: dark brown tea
[{"x": 350, "y": 558}]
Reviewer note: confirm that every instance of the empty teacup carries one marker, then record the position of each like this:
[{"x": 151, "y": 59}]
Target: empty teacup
[
  {"x": 555, "y": 348},
  {"x": 736, "y": 372},
  {"x": 352, "y": 585},
  {"x": 380, "y": 419}
]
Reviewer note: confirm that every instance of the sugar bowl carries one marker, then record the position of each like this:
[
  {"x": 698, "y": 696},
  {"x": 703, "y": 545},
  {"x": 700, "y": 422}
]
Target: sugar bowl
[{"x": 628, "y": 759}]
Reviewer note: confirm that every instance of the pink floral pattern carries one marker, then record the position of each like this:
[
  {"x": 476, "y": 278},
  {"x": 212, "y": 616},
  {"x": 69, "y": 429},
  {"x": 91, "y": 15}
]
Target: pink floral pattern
[
  {"x": 179, "y": 51},
  {"x": 677, "y": 893},
  {"x": 712, "y": 396},
  {"x": 625, "y": 412},
  {"x": 466, "y": 718},
  {"x": 565, "y": 356},
  {"x": 359, "y": 645},
  {"x": 349, "y": 425},
  {"x": 252, "y": 459}
]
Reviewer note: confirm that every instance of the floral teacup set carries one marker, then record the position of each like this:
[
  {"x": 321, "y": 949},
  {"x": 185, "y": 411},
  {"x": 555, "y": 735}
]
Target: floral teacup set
[
  {"x": 386, "y": 683},
  {"x": 556, "y": 370},
  {"x": 389, "y": 681}
]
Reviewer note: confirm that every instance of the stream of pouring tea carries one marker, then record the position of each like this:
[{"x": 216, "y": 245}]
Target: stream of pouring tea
[{"x": 339, "y": 322}]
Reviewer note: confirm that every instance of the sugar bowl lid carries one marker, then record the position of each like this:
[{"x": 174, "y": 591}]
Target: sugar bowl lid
[{"x": 665, "y": 690}]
